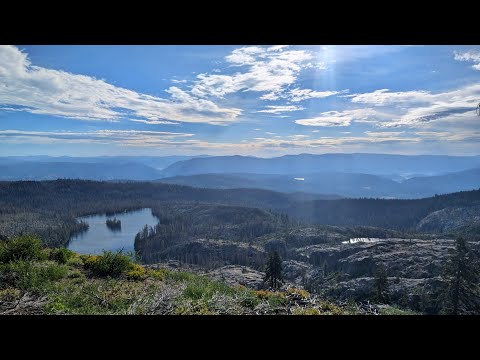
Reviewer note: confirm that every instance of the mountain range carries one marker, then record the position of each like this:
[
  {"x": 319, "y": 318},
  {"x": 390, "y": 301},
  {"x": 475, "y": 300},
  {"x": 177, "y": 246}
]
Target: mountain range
[
  {"x": 374, "y": 164},
  {"x": 327, "y": 176}
]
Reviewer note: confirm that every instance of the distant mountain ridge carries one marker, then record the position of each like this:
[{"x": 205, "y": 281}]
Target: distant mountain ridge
[
  {"x": 375, "y": 164},
  {"x": 339, "y": 184},
  {"x": 326, "y": 184},
  {"x": 69, "y": 170},
  {"x": 157, "y": 162},
  {"x": 328, "y": 176}
]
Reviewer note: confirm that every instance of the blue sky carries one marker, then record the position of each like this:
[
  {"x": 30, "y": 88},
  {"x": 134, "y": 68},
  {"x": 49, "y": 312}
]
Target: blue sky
[{"x": 247, "y": 100}]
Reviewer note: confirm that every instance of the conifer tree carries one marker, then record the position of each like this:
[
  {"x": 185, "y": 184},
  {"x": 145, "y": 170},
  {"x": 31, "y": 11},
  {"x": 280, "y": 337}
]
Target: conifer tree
[
  {"x": 381, "y": 283},
  {"x": 273, "y": 270},
  {"x": 461, "y": 281}
]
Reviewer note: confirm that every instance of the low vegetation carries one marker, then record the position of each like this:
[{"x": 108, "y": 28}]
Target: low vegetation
[{"x": 39, "y": 280}]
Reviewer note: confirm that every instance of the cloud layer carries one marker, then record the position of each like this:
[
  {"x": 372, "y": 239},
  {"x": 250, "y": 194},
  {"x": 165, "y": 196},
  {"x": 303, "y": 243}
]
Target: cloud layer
[
  {"x": 340, "y": 118},
  {"x": 268, "y": 70},
  {"x": 253, "y": 86},
  {"x": 40, "y": 90},
  {"x": 471, "y": 56}
]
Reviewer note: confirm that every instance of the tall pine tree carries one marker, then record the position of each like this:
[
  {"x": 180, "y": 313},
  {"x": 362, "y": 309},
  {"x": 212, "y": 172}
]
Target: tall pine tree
[
  {"x": 381, "y": 283},
  {"x": 461, "y": 281},
  {"x": 273, "y": 270}
]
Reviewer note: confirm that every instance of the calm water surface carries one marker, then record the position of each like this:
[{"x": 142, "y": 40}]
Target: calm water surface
[{"x": 99, "y": 237}]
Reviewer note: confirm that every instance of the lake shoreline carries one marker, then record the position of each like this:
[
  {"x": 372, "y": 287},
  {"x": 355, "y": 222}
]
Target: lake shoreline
[{"x": 98, "y": 237}]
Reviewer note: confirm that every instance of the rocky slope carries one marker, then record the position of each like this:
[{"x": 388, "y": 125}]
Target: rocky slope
[
  {"x": 450, "y": 219},
  {"x": 346, "y": 271}
]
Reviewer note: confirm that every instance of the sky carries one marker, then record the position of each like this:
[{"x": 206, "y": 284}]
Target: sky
[{"x": 248, "y": 100}]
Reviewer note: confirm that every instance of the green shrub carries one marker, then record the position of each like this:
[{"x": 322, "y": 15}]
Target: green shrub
[
  {"x": 193, "y": 307},
  {"x": 247, "y": 297},
  {"x": 61, "y": 255},
  {"x": 306, "y": 311},
  {"x": 75, "y": 261},
  {"x": 109, "y": 264},
  {"x": 297, "y": 293},
  {"x": 35, "y": 276},
  {"x": 159, "y": 274},
  {"x": 328, "y": 308},
  {"x": 203, "y": 288},
  {"x": 9, "y": 294},
  {"x": 136, "y": 272},
  {"x": 277, "y": 300},
  {"x": 393, "y": 310},
  {"x": 21, "y": 248},
  {"x": 180, "y": 276}
]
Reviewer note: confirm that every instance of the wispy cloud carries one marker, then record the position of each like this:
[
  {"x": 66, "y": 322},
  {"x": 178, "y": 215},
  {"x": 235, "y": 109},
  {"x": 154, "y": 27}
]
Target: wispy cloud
[
  {"x": 298, "y": 143},
  {"x": 297, "y": 95},
  {"x": 280, "y": 109},
  {"x": 340, "y": 118},
  {"x": 119, "y": 137},
  {"x": 268, "y": 70},
  {"x": 417, "y": 108},
  {"x": 384, "y": 133},
  {"x": 39, "y": 90},
  {"x": 155, "y": 122},
  {"x": 386, "y": 97},
  {"x": 470, "y": 56}
]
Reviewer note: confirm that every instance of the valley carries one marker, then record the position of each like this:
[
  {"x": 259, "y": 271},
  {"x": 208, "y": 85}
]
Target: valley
[
  {"x": 328, "y": 176},
  {"x": 228, "y": 234}
]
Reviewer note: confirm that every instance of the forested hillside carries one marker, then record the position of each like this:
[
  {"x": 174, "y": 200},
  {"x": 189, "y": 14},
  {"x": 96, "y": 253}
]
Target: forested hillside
[{"x": 50, "y": 207}]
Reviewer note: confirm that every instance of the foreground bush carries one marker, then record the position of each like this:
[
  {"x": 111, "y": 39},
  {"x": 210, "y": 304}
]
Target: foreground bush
[
  {"x": 61, "y": 255},
  {"x": 33, "y": 277},
  {"x": 21, "y": 248},
  {"x": 109, "y": 264}
]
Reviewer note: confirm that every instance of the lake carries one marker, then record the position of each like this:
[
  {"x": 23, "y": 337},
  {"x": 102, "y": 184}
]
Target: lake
[{"x": 99, "y": 237}]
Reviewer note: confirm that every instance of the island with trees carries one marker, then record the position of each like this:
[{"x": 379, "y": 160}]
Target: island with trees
[{"x": 114, "y": 224}]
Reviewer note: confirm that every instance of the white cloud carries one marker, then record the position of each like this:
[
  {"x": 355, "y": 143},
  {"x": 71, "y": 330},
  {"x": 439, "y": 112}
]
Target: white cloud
[
  {"x": 400, "y": 142},
  {"x": 297, "y": 95},
  {"x": 459, "y": 135},
  {"x": 118, "y": 137},
  {"x": 155, "y": 122},
  {"x": 263, "y": 69},
  {"x": 277, "y": 47},
  {"x": 384, "y": 133},
  {"x": 340, "y": 118},
  {"x": 470, "y": 55},
  {"x": 280, "y": 109},
  {"x": 40, "y": 90},
  {"x": 386, "y": 97},
  {"x": 175, "y": 81},
  {"x": 418, "y": 108},
  {"x": 270, "y": 96}
]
